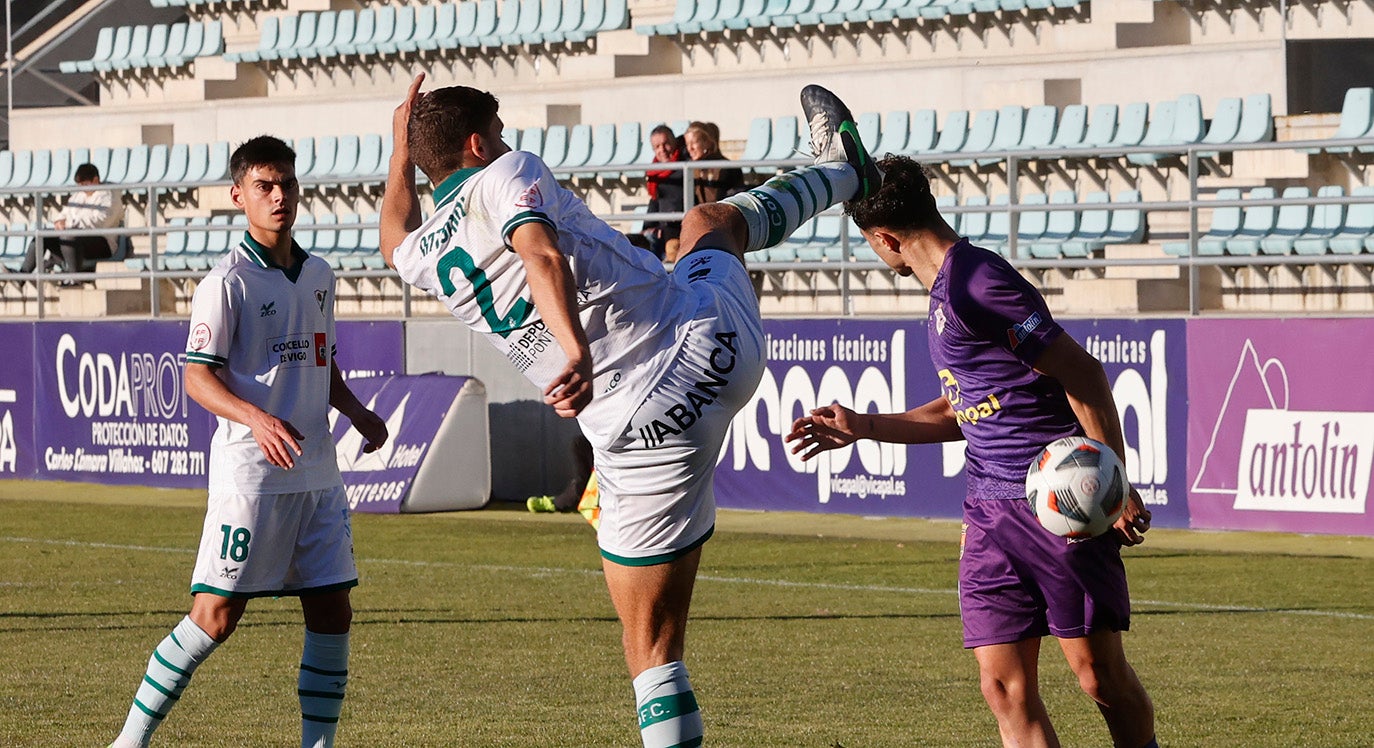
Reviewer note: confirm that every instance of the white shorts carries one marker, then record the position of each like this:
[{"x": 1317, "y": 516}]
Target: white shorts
[
  {"x": 259, "y": 545},
  {"x": 657, "y": 494}
]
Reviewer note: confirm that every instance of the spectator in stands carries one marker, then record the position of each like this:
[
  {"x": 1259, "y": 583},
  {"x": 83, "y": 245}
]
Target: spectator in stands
[
  {"x": 666, "y": 193},
  {"x": 711, "y": 185},
  {"x": 611, "y": 338},
  {"x": 84, "y": 209},
  {"x": 993, "y": 340}
]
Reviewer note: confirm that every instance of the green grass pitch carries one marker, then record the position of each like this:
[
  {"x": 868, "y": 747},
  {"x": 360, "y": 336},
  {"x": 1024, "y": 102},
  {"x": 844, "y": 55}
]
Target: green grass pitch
[{"x": 493, "y": 628}]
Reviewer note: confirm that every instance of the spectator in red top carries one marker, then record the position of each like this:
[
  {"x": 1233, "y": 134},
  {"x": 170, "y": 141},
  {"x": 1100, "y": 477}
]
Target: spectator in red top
[{"x": 665, "y": 193}]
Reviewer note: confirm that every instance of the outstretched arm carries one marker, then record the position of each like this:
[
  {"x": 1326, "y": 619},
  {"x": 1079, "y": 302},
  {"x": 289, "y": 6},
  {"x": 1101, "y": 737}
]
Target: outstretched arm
[
  {"x": 365, "y": 421},
  {"x": 278, "y": 439},
  {"x": 1090, "y": 396},
  {"x": 400, "y": 212},
  {"x": 555, "y": 296},
  {"x": 832, "y": 426}
]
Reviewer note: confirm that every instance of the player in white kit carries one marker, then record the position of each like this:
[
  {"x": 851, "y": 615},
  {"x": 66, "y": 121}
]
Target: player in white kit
[
  {"x": 260, "y": 356},
  {"x": 652, "y": 364}
]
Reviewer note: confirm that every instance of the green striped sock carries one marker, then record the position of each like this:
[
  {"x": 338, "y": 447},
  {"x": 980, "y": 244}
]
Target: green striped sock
[
  {"x": 169, "y": 672},
  {"x": 323, "y": 679},
  {"x": 668, "y": 713},
  {"x": 775, "y": 209}
]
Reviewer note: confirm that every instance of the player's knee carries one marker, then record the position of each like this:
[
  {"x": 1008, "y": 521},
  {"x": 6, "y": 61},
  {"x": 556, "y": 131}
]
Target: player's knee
[
  {"x": 1005, "y": 695},
  {"x": 1108, "y": 683}
]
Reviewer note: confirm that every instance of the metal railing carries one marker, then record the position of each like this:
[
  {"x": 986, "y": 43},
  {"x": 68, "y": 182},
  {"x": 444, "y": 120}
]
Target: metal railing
[{"x": 1010, "y": 166}]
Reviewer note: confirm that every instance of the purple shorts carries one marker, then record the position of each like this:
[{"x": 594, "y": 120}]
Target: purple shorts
[{"x": 1019, "y": 581}]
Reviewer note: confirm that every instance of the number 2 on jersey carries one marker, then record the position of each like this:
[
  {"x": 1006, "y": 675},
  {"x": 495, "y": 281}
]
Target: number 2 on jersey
[{"x": 502, "y": 325}]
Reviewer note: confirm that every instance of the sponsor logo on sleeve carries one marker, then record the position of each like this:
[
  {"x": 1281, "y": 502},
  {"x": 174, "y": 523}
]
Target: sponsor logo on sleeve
[
  {"x": 530, "y": 198},
  {"x": 1017, "y": 334}
]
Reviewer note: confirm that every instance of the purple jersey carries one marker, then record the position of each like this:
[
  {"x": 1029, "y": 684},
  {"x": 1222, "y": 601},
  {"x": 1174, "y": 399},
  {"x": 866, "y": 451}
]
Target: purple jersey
[{"x": 988, "y": 326}]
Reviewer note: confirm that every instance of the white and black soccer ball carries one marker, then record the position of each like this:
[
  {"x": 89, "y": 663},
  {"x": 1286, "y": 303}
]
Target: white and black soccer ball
[{"x": 1077, "y": 487}]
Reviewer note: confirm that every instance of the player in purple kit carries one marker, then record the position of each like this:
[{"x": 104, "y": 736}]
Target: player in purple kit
[{"x": 1012, "y": 382}]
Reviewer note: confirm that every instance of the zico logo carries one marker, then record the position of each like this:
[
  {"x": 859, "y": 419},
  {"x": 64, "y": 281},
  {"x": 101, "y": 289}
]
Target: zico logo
[
  {"x": 757, "y": 430},
  {"x": 682, "y": 416},
  {"x": 301, "y": 349},
  {"x": 972, "y": 413}
]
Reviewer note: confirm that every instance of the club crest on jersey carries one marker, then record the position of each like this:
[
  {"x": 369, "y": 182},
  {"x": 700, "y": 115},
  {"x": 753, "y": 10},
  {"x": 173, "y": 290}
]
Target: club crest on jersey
[
  {"x": 530, "y": 198},
  {"x": 320, "y": 296},
  {"x": 200, "y": 337},
  {"x": 1017, "y": 334},
  {"x": 939, "y": 315}
]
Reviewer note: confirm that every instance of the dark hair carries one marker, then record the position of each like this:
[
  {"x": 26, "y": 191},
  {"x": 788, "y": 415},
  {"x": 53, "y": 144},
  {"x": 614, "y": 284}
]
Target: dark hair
[
  {"x": 441, "y": 123},
  {"x": 264, "y": 150},
  {"x": 86, "y": 173},
  {"x": 903, "y": 203},
  {"x": 663, "y": 130}
]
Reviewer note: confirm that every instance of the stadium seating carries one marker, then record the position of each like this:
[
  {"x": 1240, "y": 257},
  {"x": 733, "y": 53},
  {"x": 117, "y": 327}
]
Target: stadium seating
[{"x": 129, "y": 48}]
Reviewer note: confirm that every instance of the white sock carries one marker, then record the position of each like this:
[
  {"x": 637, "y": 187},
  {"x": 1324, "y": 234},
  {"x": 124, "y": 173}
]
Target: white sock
[
  {"x": 323, "y": 678},
  {"x": 775, "y": 209},
  {"x": 668, "y": 714},
  {"x": 169, "y": 671}
]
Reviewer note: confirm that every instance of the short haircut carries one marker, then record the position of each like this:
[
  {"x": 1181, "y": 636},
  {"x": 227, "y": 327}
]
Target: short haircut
[
  {"x": 264, "y": 150},
  {"x": 86, "y": 173},
  {"x": 903, "y": 203},
  {"x": 441, "y": 123},
  {"x": 663, "y": 130}
]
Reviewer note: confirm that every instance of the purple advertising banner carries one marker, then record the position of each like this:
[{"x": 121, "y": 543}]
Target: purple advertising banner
[
  {"x": 883, "y": 366},
  {"x": 413, "y": 407},
  {"x": 16, "y": 402},
  {"x": 1280, "y": 425},
  {"x": 113, "y": 405}
]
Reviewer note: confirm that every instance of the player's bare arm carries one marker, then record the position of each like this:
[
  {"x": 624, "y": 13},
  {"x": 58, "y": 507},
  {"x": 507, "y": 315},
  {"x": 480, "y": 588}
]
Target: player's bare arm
[
  {"x": 1090, "y": 395},
  {"x": 277, "y": 439},
  {"x": 551, "y": 286},
  {"x": 400, "y": 213},
  {"x": 832, "y": 426},
  {"x": 342, "y": 399}
]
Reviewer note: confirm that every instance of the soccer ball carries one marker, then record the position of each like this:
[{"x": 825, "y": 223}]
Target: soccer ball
[{"x": 1077, "y": 487}]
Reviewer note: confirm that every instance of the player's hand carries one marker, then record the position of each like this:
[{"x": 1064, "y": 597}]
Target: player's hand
[
  {"x": 400, "y": 121},
  {"x": 279, "y": 441},
  {"x": 373, "y": 429},
  {"x": 571, "y": 390},
  {"x": 828, "y": 427},
  {"x": 1134, "y": 520}
]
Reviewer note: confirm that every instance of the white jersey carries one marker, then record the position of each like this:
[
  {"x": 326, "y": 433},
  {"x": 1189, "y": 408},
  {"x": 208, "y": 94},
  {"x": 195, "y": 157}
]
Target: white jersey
[
  {"x": 274, "y": 337},
  {"x": 631, "y": 309}
]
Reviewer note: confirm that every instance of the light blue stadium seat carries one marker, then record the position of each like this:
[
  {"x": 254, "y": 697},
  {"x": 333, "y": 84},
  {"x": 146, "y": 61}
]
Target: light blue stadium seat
[
  {"x": 706, "y": 12},
  {"x": 532, "y": 140},
  {"x": 483, "y": 23},
  {"x": 511, "y": 137},
  {"x": 310, "y": 42},
  {"x": 217, "y": 168},
  {"x": 445, "y": 26},
  {"x": 1256, "y": 223},
  {"x": 999, "y": 225},
  {"x": 627, "y": 144},
  {"x": 749, "y": 10},
  {"x": 822, "y": 245},
  {"x": 1226, "y": 221},
  {"x": 1094, "y": 225},
  {"x": 760, "y": 138},
  {"x": 157, "y": 163},
  {"x": 371, "y": 160},
  {"x": 570, "y": 22},
  {"x": 350, "y": 234},
  {"x": 579, "y": 146},
  {"x": 1159, "y": 132},
  {"x": 197, "y": 162},
  {"x": 39, "y": 169},
  {"x": 20, "y": 169},
  {"x": 981, "y": 131},
  {"x": 922, "y": 134},
  {"x": 870, "y": 128},
  {"x": 1128, "y": 219},
  {"x": 119, "y": 165},
  {"x": 178, "y": 159},
  {"x": 104, "y": 48},
  {"x": 1292, "y": 222},
  {"x": 122, "y": 39},
  {"x": 174, "y": 49},
  {"x": 1030, "y": 224},
  {"x": 154, "y": 46},
  {"x": 1327, "y": 221},
  {"x": 555, "y": 145},
  {"x": 813, "y": 15},
  {"x": 1061, "y": 225},
  {"x": 726, "y": 10},
  {"x": 1011, "y": 125},
  {"x": 790, "y": 248},
  {"x": 507, "y": 19},
  {"x": 346, "y": 158},
  {"x": 1072, "y": 128},
  {"x": 13, "y": 248},
  {"x": 954, "y": 133},
  {"x": 683, "y": 12},
  {"x": 426, "y": 26},
  {"x": 383, "y": 28},
  {"x": 1357, "y": 118},
  {"x": 1257, "y": 120},
  {"x": 402, "y": 36},
  {"x": 785, "y": 141},
  {"x": 344, "y": 26},
  {"x": 305, "y": 156},
  {"x": 896, "y": 131},
  {"x": 217, "y": 238},
  {"x": 1353, "y": 237},
  {"x": 974, "y": 225},
  {"x": 364, "y": 25},
  {"x": 326, "y": 151},
  {"x": 7, "y": 167},
  {"x": 602, "y": 151},
  {"x": 327, "y": 236},
  {"x": 1040, "y": 128},
  {"x": 1225, "y": 125},
  {"x": 1102, "y": 126},
  {"x": 60, "y": 168}
]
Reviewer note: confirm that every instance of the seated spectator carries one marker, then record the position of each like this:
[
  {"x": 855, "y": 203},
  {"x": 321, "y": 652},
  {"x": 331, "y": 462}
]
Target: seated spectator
[
  {"x": 84, "y": 209},
  {"x": 711, "y": 185},
  {"x": 665, "y": 193}
]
